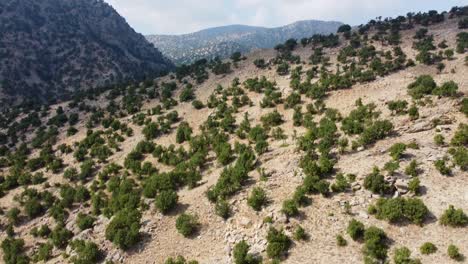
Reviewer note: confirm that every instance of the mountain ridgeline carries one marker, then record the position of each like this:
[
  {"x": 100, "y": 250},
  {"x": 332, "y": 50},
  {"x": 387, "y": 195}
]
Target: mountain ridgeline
[
  {"x": 50, "y": 48},
  {"x": 223, "y": 41}
]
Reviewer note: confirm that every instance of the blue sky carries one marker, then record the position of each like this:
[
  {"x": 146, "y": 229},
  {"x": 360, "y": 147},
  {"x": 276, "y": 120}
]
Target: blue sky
[{"x": 185, "y": 16}]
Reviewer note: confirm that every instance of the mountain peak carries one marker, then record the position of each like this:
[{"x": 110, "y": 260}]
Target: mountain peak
[{"x": 223, "y": 41}]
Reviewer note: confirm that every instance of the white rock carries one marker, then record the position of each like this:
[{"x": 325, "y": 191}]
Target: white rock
[{"x": 245, "y": 222}]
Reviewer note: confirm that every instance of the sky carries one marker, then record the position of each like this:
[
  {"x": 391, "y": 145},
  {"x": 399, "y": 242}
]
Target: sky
[{"x": 185, "y": 16}]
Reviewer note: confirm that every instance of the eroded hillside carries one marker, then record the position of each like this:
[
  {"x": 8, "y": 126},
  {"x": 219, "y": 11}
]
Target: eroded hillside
[
  {"x": 51, "y": 49},
  {"x": 339, "y": 149}
]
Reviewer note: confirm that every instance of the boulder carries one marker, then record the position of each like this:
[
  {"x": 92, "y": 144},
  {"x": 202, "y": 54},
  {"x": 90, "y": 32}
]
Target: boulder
[{"x": 402, "y": 185}]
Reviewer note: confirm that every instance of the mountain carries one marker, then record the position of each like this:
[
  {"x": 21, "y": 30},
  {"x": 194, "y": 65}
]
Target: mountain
[
  {"x": 346, "y": 148},
  {"x": 223, "y": 41},
  {"x": 49, "y": 48}
]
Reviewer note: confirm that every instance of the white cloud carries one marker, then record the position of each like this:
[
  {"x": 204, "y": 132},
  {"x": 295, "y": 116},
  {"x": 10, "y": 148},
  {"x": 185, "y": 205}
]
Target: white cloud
[{"x": 183, "y": 16}]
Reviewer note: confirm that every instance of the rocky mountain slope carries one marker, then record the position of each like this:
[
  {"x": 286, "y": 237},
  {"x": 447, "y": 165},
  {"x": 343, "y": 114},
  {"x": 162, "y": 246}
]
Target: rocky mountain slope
[
  {"x": 223, "y": 41},
  {"x": 50, "y": 48},
  {"x": 351, "y": 148}
]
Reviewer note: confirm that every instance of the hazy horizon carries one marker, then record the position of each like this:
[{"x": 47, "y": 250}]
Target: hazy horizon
[{"x": 187, "y": 16}]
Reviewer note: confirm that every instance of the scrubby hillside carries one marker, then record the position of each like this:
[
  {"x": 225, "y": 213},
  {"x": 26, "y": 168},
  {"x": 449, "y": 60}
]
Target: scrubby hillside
[
  {"x": 223, "y": 41},
  {"x": 344, "y": 148},
  {"x": 52, "y": 48}
]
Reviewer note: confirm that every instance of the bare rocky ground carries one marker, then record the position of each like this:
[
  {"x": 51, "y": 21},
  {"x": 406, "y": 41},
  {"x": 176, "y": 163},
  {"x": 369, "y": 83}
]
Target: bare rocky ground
[{"x": 325, "y": 217}]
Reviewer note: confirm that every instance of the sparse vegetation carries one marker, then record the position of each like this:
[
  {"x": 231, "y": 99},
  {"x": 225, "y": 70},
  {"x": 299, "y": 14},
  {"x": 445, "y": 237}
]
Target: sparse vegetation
[
  {"x": 124, "y": 228},
  {"x": 242, "y": 256},
  {"x": 356, "y": 229},
  {"x": 116, "y": 160},
  {"x": 428, "y": 248},
  {"x": 454, "y": 253},
  {"x": 257, "y": 198},
  {"x": 187, "y": 224},
  {"x": 398, "y": 209},
  {"x": 454, "y": 217},
  {"x": 278, "y": 243}
]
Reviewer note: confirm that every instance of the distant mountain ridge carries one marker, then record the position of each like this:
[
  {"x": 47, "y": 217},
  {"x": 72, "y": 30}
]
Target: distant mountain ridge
[
  {"x": 223, "y": 41},
  {"x": 50, "y": 48}
]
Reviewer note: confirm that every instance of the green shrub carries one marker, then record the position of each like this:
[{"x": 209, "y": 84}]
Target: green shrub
[
  {"x": 398, "y": 107},
  {"x": 151, "y": 131},
  {"x": 464, "y": 106},
  {"x": 86, "y": 169},
  {"x": 447, "y": 89},
  {"x": 124, "y": 229},
  {"x": 283, "y": 68},
  {"x": 183, "y": 133},
  {"x": 341, "y": 184},
  {"x": 257, "y": 198},
  {"x": 461, "y": 136},
  {"x": 44, "y": 252},
  {"x": 375, "y": 247},
  {"x": 375, "y": 182},
  {"x": 397, "y": 150},
  {"x": 166, "y": 201},
  {"x": 290, "y": 208},
  {"x": 13, "y": 215},
  {"x": 355, "y": 229},
  {"x": 423, "y": 85},
  {"x": 278, "y": 243},
  {"x": 197, "y": 104},
  {"x": 87, "y": 252},
  {"x": 391, "y": 167},
  {"x": 460, "y": 157},
  {"x": 14, "y": 252},
  {"x": 454, "y": 253},
  {"x": 297, "y": 116},
  {"x": 61, "y": 236},
  {"x": 187, "y": 94},
  {"x": 415, "y": 210},
  {"x": 179, "y": 260},
  {"x": 454, "y": 217},
  {"x": 413, "y": 112},
  {"x": 223, "y": 209},
  {"x": 412, "y": 169},
  {"x": 241, "y": 254},
  {"x": 187, "y": 224},
  {"x": 403, "y": 256},
  {"x": 84, "y": 221},
  {"x": 378, "y": 130},
  {"x": 441, "y": 166},
  {"x": 224, "y": 153},
  {"x": 271, "y": 119},
  {"x": 398, "y": 209},
  {"x": 322, "y": 186},
  {"x": 232, "y": 178},
  {"x": 300, "y": 196},
  {"x": 261, "y": 146},
  {"x": 439, "y": 140},
  {"x": 414, "y": 185},
  {"x": 220, "y": 68},
  {"x": 257, "y": 133},
  {"x": 428, "y": 248},
  {"x": 71, "y": 174},
  {"x": 260, "y": 63},
  {"x": 341, "y": 241},
  {"x": 300, "y": 233},
  {"x": 344, "y": 28},
  {"x": 292, "y": 100},
  {"x": 58, "y": 212},
  {"x": 355, "y": 122}
]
